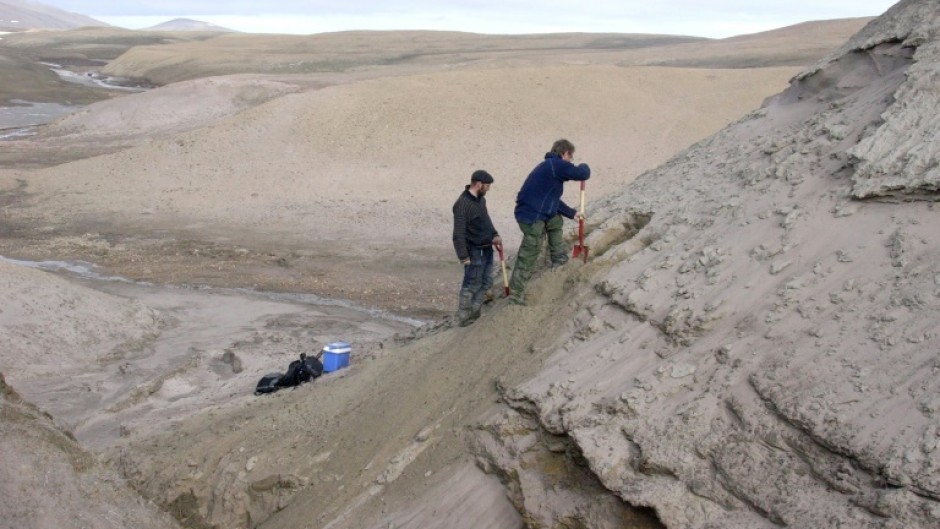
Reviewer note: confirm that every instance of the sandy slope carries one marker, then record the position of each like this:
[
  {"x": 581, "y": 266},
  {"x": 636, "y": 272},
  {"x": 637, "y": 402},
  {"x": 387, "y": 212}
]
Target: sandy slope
[
  {"x": 47, "y": 480},
  {"x": 50, "y": 328},
  {"x": 82, "y": 325}
]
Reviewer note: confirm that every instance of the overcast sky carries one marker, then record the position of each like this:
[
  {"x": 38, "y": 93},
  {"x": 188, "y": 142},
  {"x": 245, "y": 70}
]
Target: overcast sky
[{"x": 706, "y": 18}]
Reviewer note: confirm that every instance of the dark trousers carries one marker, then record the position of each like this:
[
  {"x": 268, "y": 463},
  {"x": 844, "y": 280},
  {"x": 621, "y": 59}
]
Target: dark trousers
[{"x": 477, "y": 278}]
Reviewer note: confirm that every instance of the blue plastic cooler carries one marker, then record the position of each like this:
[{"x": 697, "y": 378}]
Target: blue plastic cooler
[{"x": 335, "y": 356}]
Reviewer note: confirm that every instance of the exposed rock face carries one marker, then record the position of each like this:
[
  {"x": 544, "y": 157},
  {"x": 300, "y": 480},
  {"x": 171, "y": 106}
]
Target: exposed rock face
[
  {"x": 763, "y": 352},
  {"x": 900, "y": 158}
]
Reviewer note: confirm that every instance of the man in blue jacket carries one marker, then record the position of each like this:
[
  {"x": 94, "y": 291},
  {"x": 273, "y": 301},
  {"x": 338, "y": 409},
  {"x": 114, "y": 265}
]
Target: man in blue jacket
[{"x": 539, "y": 211}]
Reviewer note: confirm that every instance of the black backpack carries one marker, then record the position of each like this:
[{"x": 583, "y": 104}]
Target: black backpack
[
  {"x": 268, "y": 383},
  {"x": 314, "y": 366},
  {"x": 298, "y": 372}
]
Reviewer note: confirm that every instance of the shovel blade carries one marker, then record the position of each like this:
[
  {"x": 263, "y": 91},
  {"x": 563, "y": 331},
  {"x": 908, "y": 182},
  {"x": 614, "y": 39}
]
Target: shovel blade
[
  {"x": 580, "y": 247},
  {"x": 580, "y": 251}
]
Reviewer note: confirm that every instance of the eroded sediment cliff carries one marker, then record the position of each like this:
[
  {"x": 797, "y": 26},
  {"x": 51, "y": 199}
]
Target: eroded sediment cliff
[{"x": 760, "y": 345}]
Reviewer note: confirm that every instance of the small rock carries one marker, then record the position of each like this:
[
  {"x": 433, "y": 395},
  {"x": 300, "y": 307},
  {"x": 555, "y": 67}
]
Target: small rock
[
  {"x": 930, "y": 406},
  {"x": 844, "y": 211},
  {"x": 723, "y": 354},
  {"x": 424, "y": 435},
  {"x": 682, "y": 370},
  {"x": 779, "y": 266}
]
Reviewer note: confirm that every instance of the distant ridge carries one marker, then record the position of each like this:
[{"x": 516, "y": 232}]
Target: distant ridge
[
  {"x": 188, "y": 24},
  {"x": 21, "y": 15}
]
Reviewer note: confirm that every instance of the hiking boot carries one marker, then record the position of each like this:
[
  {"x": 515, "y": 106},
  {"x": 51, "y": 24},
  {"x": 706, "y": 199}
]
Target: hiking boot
[
  {"x": 559, "y": 260},
  {"x": 469, "y": 317},
  {"x": 464, "y": 314},
  {"x": 516, "y": 300}
]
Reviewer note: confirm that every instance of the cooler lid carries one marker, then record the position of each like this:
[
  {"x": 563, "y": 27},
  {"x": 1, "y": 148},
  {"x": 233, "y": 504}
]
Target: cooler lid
[{"x": 337, "y": 347}]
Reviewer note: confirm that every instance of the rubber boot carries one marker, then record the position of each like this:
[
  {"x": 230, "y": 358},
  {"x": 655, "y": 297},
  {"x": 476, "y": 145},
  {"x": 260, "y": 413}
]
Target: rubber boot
[
  {"x": 475, "y": 312},
  {"x": 465, "y": 312}
]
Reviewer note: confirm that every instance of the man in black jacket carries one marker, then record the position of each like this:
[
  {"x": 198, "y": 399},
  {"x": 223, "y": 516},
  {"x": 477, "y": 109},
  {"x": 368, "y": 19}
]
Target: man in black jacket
[{"x": 474, "y": 238}]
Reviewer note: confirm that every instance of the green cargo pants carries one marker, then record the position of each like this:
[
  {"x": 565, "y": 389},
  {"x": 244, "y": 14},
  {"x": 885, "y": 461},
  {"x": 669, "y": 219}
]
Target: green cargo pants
[{"x": 529, "y": 251}]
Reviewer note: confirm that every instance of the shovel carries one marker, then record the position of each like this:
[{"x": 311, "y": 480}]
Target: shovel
[
  {"x": 580, "y": 249},
  {"x": 502, "y": 263}
]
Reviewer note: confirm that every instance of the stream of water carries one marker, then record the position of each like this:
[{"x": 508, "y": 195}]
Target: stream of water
[
  {"x": 87, "y": 270},
  {"x": 21, "y": 119}
]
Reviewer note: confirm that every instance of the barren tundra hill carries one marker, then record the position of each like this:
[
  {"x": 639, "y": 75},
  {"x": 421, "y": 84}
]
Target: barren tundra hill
[
  {"x": 187, "y": 24},
  {"x": 789, "y": 46},
  {"x": 365, "y": 173},
  {"x": 22, "y": 15},
  {"x": 751, "y": 345},
  {"x": 289, "y": 181},
  {"x": 25, "y": 58},
  {"x": 350, "y": 51},
  {"x": 391, "y": 52}
]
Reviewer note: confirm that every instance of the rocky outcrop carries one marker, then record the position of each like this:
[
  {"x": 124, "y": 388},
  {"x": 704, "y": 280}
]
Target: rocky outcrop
[
  {"x": 900, "y": 158},
  {"x": 762, "y": 352}
]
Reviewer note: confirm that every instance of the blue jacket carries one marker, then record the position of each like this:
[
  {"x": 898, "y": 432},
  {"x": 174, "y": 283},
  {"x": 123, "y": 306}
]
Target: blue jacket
[{"x": 540, "y": 196}]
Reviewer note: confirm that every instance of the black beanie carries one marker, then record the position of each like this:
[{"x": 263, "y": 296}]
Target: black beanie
[{"x": 481, "y": 176}]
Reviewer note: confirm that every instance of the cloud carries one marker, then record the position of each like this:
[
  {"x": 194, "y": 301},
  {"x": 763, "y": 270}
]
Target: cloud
[{"x": 713, "y": 18}]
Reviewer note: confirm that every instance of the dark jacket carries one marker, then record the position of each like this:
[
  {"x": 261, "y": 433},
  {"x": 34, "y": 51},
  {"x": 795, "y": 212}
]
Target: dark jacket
[
  {"x": 540, "y": 196},
  {"x": 472, "y": 224}
]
